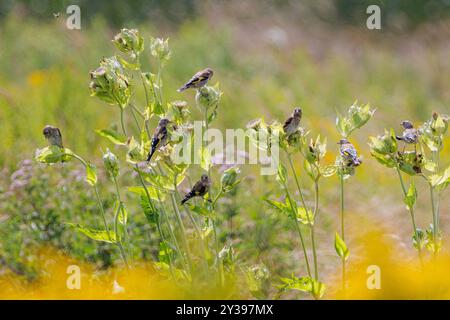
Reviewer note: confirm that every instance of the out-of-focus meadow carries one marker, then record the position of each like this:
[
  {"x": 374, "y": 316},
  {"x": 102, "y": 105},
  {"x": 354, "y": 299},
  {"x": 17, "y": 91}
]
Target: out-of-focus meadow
[{"x": 268, "y": 57}]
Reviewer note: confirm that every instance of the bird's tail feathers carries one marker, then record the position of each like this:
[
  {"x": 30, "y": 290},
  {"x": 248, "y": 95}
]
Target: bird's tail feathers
[{"x": 183, "y": 88}]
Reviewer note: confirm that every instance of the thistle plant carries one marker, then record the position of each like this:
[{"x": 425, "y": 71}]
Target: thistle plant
[
  {"x": 420, "y": 162},
  {"x": 185, "y": 227},
  {"x": 346, "y": 163},
  {"x": 294, "y": 141},
  {"x": 432, "y": 134}
]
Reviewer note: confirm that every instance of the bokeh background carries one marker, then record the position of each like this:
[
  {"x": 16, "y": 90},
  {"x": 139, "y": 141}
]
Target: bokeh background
[{"x": 268, "y": 57}]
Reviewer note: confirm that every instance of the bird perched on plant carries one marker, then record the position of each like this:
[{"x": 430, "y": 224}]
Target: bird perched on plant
[
  {"x": 410, "y": 135},
  {"x": 349, "y": 153},
  {"x": 199, "y": 189},
  {"x": 293, "y": 122},
  {"x": 159, "y": 138},
  {"x": 53, "y": 136},
  {"x": 198, "y": 80}
]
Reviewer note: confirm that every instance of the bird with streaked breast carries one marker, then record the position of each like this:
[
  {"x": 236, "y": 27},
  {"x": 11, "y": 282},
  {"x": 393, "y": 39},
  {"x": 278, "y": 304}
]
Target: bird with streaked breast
[
  {"x": 199, "y": 189},
  {"x": 349, "y": 153},
  {"x": 292, "y": 123},
  {"x": 160, "y": 137},
  {"x": 199, "y": 79}
]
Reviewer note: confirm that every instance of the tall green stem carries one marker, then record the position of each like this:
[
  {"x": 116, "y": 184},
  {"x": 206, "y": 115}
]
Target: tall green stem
[
  {"x": 341, "y": 180},
  {"x": 310, "y": 223},
  {"x": 182, "y": 229},
  {"x": 298, "y": 230},
  {"x": 411, "y": 211}
]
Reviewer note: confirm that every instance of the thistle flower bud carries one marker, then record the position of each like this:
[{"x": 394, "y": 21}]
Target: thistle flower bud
[
  {"x": 109, "y": 82},
  {"x": 111, "y": 163},
  {"x": 208, "y": 96},
  {"x": 255, "y": 124},
  {"x": 229, "y": 178},
  {"x": 159, "y": 48},
  {"x": 129, "y": 41}
]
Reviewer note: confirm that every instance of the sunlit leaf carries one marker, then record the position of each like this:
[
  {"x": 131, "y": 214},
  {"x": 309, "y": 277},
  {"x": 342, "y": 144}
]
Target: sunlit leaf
[
  {"x": 113, "y": 136},
  {"x": 341, "y": 247},
  {"x": 91, "y": 174},
  {"x": 95, "y": 234}
]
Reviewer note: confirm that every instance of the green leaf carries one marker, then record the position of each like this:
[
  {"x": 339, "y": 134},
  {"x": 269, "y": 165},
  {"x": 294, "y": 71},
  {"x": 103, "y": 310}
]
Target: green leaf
[
  {"x": 441, "y": 180},
  {"x": 91, "y": 174},
  {"x": 52, "y": 154},
  {"x": 152, "y": 191},
  {"x": 113, "y": 136},
  {"x": 205, "y": 159},
  {"x": 305, "y": 216},
  {"x": 202, "y": 211},
  {"x": 123, "y": 213},
  {"x": 411, "y": 195},
  {"x": 282, "y": 173},
  {"x": 341, "y": 247},
  {"x": 281, "y": 207},
  {"x": 95, "y": 234},
  {"x": 151, "y": 214},
  {"x": 304, "y": 284}
]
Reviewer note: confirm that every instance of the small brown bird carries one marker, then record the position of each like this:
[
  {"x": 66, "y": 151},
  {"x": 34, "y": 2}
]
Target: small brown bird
[
  {"x": 293, "y": 122},
  {"x": 200, "y": 188},
  {"x": 53, "y": 136},
  {"x": 198, "y": 80},
  {"x": 160, "y": 137},
  {"x": 410, "y": 135},
  {"x": 348, "y": 153}
]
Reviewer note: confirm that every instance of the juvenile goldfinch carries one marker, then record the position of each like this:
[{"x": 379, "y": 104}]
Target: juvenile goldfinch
[
  {"x": 293, "y": 122},
  {"x": 410, "y": 135},
  {"x": 198, "y": 80},
  {"x": 348, "y": 153},
  {"x": 159, "y": 138},
  {"x": 200, "y": 188},
  {"x": 53, "y": 136}
]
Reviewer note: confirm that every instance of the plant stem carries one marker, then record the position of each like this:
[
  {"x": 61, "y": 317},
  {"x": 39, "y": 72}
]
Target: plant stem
[
  {"x": 341, "y": 180},
  {"x": 298, "y": 230},
  {"x": 411, "y": 211},
  {"x": 310, "y": 223},
  {"x": 122, "y": 123},
  {"x": 102, "y": 211},
  {"x": 116, "y": 220},
  {"x": 183, "y": 230}
]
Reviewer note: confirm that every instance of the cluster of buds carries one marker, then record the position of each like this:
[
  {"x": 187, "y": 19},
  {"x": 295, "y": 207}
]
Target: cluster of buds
[
  {"x": 109, "y": 82},
  {"x": 130, "y": 42},
  {"x": 159, "y": 48}
]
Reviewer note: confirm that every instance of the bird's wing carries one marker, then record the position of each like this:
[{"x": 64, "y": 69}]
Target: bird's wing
[
  {"x": 288, "y": 122},
  {"x": 350, "y": 151}
]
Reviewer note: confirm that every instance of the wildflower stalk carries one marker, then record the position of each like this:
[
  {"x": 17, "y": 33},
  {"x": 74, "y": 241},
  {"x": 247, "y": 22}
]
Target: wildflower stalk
[
  {"x": 434, "y": 198},
  {"x": 220, "y": 265},
  {"x": 158, "y": 222},
  {"x": 310, "y": 223},
  {"x": 116, "y": 224},
  {"x": 341, "y": 181},
  {"x": 102, "y": 211},
  {"x": 411, "y": 211},
  {"x": 172, "y": 234},
  {"x": 302, "y": 241},
  {"x": 183, "y": 231}
]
